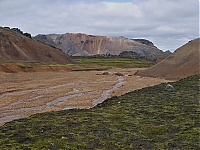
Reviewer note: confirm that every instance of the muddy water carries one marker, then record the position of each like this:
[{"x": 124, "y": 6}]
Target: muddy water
[
  {"x": 72, "y": 90},
  {"x": 9, "y": 118},
  {"x": 11, "y": 111},
  {"x": 61, "y": 100},
  {"x": 106, "y": 93},
  {"x": 35, "y": 90},
  {"x": 51, "y": 104}
]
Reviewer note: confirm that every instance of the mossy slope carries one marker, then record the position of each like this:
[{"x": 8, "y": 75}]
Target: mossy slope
[{"x": 150, "y": 118}]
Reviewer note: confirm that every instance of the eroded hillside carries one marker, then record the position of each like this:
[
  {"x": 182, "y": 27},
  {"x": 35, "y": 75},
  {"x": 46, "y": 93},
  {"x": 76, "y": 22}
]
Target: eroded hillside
[
  {"x": 16, "y": 46},
  {"x": 185, "y": 61},
  {"x": 86, "y": 45}
]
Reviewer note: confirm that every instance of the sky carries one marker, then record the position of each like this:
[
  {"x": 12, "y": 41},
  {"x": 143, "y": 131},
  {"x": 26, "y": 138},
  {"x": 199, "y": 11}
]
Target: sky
[{"x": 167, "y": 23}]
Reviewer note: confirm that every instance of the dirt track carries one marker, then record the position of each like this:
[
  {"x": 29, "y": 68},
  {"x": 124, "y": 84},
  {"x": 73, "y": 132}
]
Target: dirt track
[{"x": 24, "y": 94}]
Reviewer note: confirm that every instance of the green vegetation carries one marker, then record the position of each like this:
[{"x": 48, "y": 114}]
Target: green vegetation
[
  {"x": 83, "y": 64},
  {"x": 115, "y": 62},
  {"x": 89, "y": 64},
  {"x": 150, "y": 118}
]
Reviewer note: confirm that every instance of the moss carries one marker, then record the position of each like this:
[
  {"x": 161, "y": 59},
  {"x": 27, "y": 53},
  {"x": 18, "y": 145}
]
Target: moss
[{"x": 116, "y": 62}]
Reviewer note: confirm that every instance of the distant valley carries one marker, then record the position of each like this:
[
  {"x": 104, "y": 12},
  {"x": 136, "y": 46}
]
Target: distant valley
[{"x": 114, "y": 87}]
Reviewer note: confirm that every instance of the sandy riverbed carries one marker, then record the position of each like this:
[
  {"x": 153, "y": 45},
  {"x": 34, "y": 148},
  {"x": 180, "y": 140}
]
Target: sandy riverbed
[{"x": 22, "y": 95}]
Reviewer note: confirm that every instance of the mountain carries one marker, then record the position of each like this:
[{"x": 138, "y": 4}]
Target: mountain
[
  {"x": 87, "y": 45},
  {"x": 16, "y": 45},
  {"x": 185, "y": 61}
]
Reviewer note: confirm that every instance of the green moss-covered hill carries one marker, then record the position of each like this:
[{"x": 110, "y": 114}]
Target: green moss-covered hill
[{"x": 150, "y": 118}]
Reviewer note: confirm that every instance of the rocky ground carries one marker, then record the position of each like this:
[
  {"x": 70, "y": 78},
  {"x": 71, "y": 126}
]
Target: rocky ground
[{"x": 24, "y": 94}]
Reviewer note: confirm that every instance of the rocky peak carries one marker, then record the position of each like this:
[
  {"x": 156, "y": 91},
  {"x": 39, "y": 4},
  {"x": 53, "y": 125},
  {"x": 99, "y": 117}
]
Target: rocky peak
[
  {"x": 77, "y": 44},
  {"x": 144, "y": 41}
]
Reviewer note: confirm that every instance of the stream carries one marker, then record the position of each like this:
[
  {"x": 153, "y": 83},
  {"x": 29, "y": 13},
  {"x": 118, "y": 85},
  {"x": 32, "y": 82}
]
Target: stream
[
  {"x": 106, "y": 93},
  {"x": 8, "y": 110}
]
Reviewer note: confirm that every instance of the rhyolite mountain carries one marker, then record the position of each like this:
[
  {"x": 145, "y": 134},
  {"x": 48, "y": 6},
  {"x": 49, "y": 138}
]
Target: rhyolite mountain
[
  {"x": 18, "y": 46},
  {"x": 184, "y": 62},
  {"x": 88, "y": 45}
]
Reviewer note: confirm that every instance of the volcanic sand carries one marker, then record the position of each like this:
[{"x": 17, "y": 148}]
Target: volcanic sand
[{"x": 25, "y": 94}]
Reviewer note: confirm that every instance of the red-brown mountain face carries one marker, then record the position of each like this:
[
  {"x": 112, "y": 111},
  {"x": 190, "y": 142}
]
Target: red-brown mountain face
[
  {"x": 185, "y": 61},
  {"x": 16, "y": 46},
  {"x": 86, "y": 45}
]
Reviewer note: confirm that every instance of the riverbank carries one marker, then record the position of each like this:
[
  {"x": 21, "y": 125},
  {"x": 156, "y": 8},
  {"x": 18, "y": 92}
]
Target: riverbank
[{"x": 26, "y": 94}]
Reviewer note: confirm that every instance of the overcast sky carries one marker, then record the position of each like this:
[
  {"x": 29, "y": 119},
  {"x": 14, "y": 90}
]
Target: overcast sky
[{"x": 167, "y": 23}]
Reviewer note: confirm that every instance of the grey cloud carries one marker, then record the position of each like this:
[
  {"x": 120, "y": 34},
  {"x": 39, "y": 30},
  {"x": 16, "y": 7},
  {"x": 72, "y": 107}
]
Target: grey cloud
[{"x": 168, "y": 23}]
